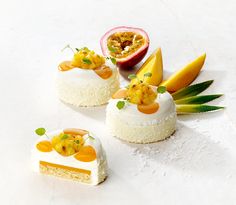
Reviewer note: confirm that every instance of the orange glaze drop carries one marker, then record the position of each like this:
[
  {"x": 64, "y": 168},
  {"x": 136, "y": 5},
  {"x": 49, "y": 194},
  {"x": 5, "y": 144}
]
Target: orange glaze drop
[
  {"x": 86, "y": 154},
  {"x": 65, "y": 66},
  {"x": 103, "y": 71},
  {"x": 44, "y": 146},
  {"x": 122, "y": 93},
  {"x": 148, "y": 109},
  {"x": 75, "y": 131}
]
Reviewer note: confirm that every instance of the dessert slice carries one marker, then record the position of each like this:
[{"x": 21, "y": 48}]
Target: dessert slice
[
  {"x": 141, "y": 113},
  {"x": 88, "y": 79},
  {"x": 70, "y": 153}
]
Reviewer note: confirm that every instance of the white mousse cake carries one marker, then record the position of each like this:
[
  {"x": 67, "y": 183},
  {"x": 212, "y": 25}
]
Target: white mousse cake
[
  {"x": 140, "y": 114},
  {"x": 72, "y": 154},
  {"x": 88, "y": 80}
]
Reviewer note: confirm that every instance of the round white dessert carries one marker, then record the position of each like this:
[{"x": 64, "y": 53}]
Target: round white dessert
[
  {"x": 83, "y": 87},
  {"x": 131, "y": 125}
]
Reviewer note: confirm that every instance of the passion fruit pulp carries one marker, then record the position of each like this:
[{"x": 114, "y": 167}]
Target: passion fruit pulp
[{"x": 127, "y": 45}]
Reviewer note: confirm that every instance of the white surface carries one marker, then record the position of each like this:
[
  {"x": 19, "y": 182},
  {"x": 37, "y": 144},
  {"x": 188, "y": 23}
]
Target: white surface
[{"x": 195, "y": 166}]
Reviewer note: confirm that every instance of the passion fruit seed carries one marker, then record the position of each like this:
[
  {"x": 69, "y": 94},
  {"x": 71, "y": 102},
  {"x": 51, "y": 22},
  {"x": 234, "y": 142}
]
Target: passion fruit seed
[
  {"x": 87, "y": 59},
  {"x": 122, "y": 44}
]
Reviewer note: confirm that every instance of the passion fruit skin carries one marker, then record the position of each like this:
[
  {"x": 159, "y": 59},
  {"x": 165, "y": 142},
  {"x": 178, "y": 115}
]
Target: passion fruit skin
[{"x": 134, "y": 58}]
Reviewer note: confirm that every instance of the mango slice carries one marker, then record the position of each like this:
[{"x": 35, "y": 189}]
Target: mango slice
[
  {"x": 44, "y": 146},
  {"x": 148, "y": 109},
  {"x": 153, "y": 65},
  {"x": 86, "y": 154},
  {"x": 185, "y": 76}
]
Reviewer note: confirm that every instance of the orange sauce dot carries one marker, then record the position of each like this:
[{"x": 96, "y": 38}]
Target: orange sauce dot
[
  {"x": 65, "y": 66},
  {"x": 122, "y": 93},
  {"x": 75, "y": 131},
  {"x": 148, "y": 109},
  {"x": 103, "y": 71},
  {"x": 86, "y": 154},
  {"x": 44, "y": 146}
]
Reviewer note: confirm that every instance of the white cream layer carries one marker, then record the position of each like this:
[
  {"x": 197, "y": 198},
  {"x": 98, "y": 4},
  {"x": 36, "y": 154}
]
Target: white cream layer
[
  {"x": 55, "y": 158},
  {"x": 132, "y": 116}
]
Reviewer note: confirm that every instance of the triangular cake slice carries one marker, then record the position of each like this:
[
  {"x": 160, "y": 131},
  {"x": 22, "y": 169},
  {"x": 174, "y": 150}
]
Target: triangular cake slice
[{"x": 72, "y": 154}]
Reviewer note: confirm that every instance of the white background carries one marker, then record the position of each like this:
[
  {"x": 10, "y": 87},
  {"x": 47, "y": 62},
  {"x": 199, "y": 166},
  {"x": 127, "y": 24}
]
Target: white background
[{"x": 195, "y": 166}]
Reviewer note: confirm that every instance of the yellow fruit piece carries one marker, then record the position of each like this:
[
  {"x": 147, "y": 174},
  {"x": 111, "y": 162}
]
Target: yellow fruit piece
[
  {"x": 185, "y": 76},
  {"x": 86, "y": 154},
  {"x": 44, "y": 146},
  {"x": 152, "y": 65}
]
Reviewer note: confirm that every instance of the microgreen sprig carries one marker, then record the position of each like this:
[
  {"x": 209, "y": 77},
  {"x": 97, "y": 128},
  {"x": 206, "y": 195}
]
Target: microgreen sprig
[
  {"x": 120, "y": 104},
  {"x": 68, "y": 46},
  {"x": 87, "y": 61},
  {"x": 41, "y": 131},
  {"x": 161, "y": 89},
  {"x": 113, "y": 60}
]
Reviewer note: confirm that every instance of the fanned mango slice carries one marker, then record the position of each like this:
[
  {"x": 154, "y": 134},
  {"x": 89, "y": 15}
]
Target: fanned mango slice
[
  {"x": 185, "y": 76},
  {"x": 152, "y": 65}
]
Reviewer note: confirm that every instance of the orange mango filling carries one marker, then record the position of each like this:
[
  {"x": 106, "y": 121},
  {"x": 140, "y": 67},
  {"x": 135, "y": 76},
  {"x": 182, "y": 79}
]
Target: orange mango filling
[
  {"x": 75, "y": 131},
  {"x": 122, "y": 93},
  {"x": 148, "y": 109},
  {"x": 103, "y": 71},
  {"x": 122, "y": 44},
  {"x": 47, "y": 164},
  {"x": 86, "y": 154},
  {"x": 44, "y": 146}
]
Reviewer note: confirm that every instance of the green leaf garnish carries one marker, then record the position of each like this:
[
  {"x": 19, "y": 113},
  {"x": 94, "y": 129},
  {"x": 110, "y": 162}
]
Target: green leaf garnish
[
  {"x": 113, "y": 60},
  {"x": 196, "y": 108},
  {"x": 132, "y": 76},
  {"x": 148, "y": 74},
  {"x": 161, "y": 89},
  {"x": 201, "y": 99},
  {"x": 77, "y": 49},
  {"x": 86, "y": 61},
  {"x": 191, "y": 90},
  {"x": 77, "y": 141},
  {"x": 65, "y": 136},
  {"x": 120, "y": 104},
  {"x": 110, "y": 48},
  {"x": 40, "y": 131}
]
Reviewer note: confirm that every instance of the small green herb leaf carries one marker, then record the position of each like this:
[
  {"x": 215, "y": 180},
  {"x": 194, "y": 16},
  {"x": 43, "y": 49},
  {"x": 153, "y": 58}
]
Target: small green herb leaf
[
  {"x": 86, "y": 61},
  {"x": 77, "y": 141},
  {"x": 77, "y": 49},
  {"x": 132, "y": 76},
  {"x": 65, "y": 136},
  {"x": 113, "y": 60},
  {"x": 40, "y": 131},
  {"x": 110, "y": 48},
  {"x": 148, "y": 74},
  {"x": 120, "y": 104},
  {"x": 161, "y": 89}
]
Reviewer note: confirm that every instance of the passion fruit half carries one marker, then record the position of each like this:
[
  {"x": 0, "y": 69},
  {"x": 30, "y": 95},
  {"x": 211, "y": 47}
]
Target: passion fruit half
[{"x": 127, "y": 45}]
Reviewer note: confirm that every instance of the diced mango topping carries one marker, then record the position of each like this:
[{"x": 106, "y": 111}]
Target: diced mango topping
[
  {"x": 67, "y": 144},
  {"x": 141, "y": 94},
  {"x": 86, "y": 154},
  {"x": 44, "y": 146},
  {"x": 87, "y": 59}
]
